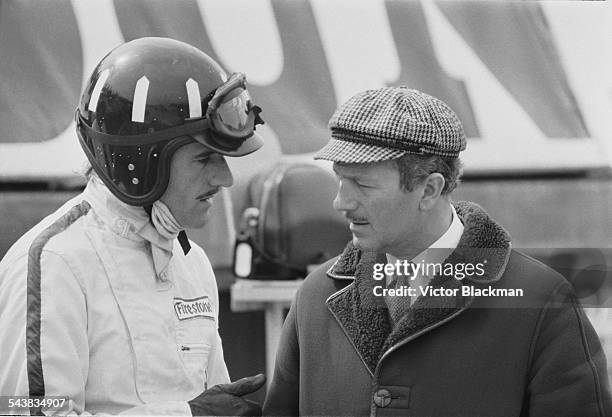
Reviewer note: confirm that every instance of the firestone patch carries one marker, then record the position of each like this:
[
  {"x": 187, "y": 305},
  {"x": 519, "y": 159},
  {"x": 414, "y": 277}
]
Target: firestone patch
[{"x": 192, "y": 308}]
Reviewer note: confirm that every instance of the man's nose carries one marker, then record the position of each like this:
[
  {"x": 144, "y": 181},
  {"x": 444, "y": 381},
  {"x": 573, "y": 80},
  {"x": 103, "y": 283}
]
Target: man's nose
[
  {"x": 344, "y": 200},
  {"x": 222, "y": 175}
]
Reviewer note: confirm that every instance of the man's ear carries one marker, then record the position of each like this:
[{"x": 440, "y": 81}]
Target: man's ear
[{"x": 432, "y": 190}]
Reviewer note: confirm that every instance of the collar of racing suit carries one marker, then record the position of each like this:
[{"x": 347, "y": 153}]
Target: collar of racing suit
[{"x": 133, "y": 223}]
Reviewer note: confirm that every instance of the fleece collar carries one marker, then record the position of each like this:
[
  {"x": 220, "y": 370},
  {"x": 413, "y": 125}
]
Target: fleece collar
[{"x": 364, "y": 317}]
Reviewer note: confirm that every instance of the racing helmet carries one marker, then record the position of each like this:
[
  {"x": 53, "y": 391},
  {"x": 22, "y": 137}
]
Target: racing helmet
[{"x": 150, "y": 96}]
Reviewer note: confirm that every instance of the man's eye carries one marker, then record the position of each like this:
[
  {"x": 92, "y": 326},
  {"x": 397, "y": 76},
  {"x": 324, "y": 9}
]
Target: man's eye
[{"x": 202, "y": 159}]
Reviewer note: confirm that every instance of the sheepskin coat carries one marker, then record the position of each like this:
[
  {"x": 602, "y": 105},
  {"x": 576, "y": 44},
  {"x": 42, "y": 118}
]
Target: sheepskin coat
[{"x": 458, "y": 355}]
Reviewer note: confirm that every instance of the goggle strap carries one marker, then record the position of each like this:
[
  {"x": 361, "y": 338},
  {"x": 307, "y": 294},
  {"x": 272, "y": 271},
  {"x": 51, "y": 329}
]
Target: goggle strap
[
  {"x": 236, "y": 143},
  {"x": 189, "y": 128}
]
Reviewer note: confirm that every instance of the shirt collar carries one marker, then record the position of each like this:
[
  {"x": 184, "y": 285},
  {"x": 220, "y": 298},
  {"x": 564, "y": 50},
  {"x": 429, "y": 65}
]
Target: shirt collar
[{"x": 438, "y": 251}]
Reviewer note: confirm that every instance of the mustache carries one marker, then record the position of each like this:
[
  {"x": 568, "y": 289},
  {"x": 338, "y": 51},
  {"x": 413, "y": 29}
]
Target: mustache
[
  {"x": 208, "y": 194},
  {"x": 356, "y": 219}
]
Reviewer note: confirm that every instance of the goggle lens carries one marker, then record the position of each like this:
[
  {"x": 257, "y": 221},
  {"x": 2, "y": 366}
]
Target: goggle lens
[
  {"x": 230, "y": 111},
  {"x": 233, "y": 116}
]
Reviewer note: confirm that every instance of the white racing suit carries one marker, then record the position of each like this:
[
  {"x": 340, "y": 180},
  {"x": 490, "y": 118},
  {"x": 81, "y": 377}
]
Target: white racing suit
[{"x": 88, "y": 315}]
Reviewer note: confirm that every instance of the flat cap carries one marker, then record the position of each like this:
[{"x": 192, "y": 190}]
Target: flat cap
[{"x": 387, "y": 123}]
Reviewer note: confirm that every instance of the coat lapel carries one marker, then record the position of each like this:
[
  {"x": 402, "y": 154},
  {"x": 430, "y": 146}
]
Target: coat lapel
[{"x": 364, "y": 317}]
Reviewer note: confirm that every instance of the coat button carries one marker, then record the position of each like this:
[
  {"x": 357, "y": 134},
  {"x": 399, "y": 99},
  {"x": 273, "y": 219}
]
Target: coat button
[{"x": 382, "y": 398}]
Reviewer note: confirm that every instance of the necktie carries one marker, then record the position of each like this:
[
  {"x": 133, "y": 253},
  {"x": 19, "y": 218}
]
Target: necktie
[{"x": 398, "y": 305}]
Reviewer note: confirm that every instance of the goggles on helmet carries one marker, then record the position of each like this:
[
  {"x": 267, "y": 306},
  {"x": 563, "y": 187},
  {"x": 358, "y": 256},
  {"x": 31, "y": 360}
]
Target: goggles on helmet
[
  {"x": 231, "y": 112},
  {"x": 231, "y": 116},
  {"x": 229, "y": 123}
]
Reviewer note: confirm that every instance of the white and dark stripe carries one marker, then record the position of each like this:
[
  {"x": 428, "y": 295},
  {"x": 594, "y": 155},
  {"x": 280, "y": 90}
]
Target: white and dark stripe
[
  {"x": 193, "y": 95},
  {"x": 36, "y": 380},
  {"x": 139, "y": 104},
  {"x": 95, "y": 94}
]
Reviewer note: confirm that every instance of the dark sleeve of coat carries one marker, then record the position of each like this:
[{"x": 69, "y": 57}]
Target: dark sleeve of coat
[
  {"x": 282, "y": 398},
  {"x": 568, "y": 367}
]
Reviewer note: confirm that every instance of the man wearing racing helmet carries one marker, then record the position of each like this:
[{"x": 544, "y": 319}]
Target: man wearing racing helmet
[{"x": 106, "y": 303}]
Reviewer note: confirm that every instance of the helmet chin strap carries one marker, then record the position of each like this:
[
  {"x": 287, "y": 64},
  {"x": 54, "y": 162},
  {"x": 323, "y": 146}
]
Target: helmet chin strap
[{"x": 166, "y": 225}]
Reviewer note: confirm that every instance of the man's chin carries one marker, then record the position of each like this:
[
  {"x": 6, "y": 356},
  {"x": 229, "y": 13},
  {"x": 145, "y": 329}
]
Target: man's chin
[
  {"x": 199, "y": 222},
  {"x": 364, "y": 244}
]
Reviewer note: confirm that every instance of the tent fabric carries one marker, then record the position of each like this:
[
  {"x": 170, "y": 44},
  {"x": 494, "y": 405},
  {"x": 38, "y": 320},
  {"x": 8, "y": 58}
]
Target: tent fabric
[
  {"x": 44, "y": 65},
  {"x": 40, "y": 69},
  {"x": 515, "y": 42}
]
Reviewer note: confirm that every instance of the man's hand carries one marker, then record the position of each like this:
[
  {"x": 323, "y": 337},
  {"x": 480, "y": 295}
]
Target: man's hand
[{"x": 226, "y": 399}]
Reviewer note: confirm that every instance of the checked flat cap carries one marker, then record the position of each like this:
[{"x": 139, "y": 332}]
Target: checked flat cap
[{"x": 384, "y": 124}]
